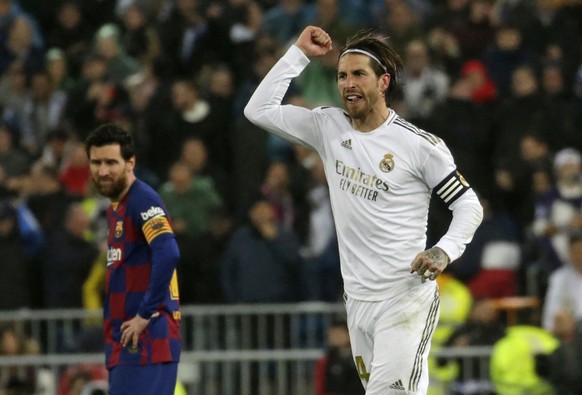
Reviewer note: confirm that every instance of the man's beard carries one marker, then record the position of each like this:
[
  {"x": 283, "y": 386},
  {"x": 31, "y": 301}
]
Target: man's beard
[
  {"x": 359, "y": 112},
  {"x": 113, "y": 189}
]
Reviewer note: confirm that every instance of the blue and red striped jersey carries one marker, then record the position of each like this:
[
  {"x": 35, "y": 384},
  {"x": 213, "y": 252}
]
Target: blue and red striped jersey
[{"x": 141, "y": 279}]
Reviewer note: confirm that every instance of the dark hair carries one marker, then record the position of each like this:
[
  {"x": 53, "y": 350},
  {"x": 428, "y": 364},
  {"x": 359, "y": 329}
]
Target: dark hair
[
  {"x": 110, "y": 134},
  {"x": 368, "y": 41}
]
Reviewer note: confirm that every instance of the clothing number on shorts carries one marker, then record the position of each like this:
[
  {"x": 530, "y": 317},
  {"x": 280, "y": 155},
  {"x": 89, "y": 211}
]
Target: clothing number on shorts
[{"x": 361, "y": 366}]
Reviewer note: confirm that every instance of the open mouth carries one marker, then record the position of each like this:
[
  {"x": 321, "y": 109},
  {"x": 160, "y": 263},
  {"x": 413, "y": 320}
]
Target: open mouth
[{"x": 353, "y": 98}]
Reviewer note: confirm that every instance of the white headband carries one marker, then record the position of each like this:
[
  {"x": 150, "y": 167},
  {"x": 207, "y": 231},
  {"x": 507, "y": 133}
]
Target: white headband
[{"x": 367, "y": 54}]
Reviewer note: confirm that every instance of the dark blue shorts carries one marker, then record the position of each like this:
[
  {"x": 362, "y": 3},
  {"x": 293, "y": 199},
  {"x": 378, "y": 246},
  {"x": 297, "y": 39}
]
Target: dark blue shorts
[{"x": 158, "y": 379}]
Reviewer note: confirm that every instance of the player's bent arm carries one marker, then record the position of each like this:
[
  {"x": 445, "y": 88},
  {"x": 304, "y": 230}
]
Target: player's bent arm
[
  {"x": 165, "y": 255},
  {"x": 292, "y": 123},
  {"x": 467, "y": 216}
]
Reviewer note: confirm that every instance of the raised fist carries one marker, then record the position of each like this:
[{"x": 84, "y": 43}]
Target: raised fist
[{"x": 314, "y": 41}]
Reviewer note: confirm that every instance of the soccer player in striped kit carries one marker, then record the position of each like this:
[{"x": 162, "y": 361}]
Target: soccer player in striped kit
[
  {"x": 141, "y": 309},
  {"x": 381, "y": 171}
]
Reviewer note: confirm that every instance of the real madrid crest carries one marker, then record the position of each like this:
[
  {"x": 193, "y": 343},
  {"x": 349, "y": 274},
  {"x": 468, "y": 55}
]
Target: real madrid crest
[
  {"x": 387, "y": 164},
  {"x": 118, "y": 229}
]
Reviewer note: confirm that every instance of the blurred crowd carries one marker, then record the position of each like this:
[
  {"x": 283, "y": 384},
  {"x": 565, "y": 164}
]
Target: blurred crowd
[{"x": 499, "y": 80}]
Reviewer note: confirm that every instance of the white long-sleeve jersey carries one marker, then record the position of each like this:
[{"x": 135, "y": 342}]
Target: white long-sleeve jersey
[{"x": 380, "y": 184}]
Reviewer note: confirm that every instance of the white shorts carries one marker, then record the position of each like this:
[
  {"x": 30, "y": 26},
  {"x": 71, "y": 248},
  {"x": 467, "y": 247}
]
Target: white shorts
[{"x": 391, "y": 340}]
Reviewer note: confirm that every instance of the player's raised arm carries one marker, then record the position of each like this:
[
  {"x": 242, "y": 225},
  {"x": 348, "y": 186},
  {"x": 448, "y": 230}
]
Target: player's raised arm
[{"x": 292, "y": 123}]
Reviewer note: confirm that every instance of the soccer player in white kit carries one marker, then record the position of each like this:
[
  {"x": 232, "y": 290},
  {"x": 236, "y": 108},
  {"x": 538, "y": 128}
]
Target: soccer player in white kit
[{"x": 381, "y": 171}]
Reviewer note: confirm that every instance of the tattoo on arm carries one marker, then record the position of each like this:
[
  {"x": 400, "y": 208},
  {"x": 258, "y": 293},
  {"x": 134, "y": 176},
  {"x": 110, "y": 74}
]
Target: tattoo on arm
[{"x": 438, "y": 256}]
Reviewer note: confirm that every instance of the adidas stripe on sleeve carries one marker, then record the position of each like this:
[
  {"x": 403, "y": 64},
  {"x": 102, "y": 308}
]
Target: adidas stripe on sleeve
[{"x": 452, "y": 187}]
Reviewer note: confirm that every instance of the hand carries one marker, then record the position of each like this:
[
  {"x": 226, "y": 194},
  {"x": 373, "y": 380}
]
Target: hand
[
  {"x": 430, "y": 263},
  {"x": 314, "y": 41},
  {"x": 130, "y": 330}
]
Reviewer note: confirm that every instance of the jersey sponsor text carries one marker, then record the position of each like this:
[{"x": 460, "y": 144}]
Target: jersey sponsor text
[
  {"x": 113, "y": 255},
  {"x": 152, "y": 212},
  {"x": 359, "y": 176}
]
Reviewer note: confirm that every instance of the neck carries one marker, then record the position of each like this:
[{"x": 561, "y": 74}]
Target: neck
[{"x": 372, "y": 120}]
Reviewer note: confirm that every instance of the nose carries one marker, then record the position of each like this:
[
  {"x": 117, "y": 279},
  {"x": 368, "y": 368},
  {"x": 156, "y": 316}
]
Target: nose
[
  {"x": 349, "y": 82},
  {"x": 103, "y": 170}
]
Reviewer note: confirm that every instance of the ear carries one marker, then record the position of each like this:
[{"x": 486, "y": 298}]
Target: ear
[
  {"x": 130, "y": 164},
  {"x": 385, "y": 82}
]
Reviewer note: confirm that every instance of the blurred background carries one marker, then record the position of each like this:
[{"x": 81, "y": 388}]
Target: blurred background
[{"x": 499, "y": 80}]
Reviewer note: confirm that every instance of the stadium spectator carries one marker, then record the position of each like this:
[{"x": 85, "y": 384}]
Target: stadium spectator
[
  {"x": 330, "y": 18},
  {"x": 80, "y": 112},
  {"x": 42, "y": 112},
  {"x": 139, "y": 39},
  {"x": 505, "y": 55},
  {"x": 67, "y": 261},
  {"x": 47, "y": 199},
  {"x": 107, "y": 44},
  {"x": 264, "y": 56},
  {"x": 57, "y": 70},
  {"x": 564, "y": 293},
  {"x": 513, "y": 365},
  {"x": 261, "y": 263},
  {"x": 524, "y": 112},
  {"x": 558, "y": 212},
  {"x": 335, "y": 372},
  {"x": 14, "y": 283},
  {"x": 14, "y": 94},
  {"x": 194, "y": 155},
  {"x": 450, "y": 14},
  {"x": 13, "y": 162},
  {"x": 194, "y": 203},
  {"x": 191, "y": 116},
  {"x": 276, "y": 190},
  {"x": 74, "y": 173},
  {"x": 191, "y": 200},
  {"x": 287, "y": 18},
  {"x": 55, "y": 149},
  {"x": 401, "y": 26},
  {"x": 424, "y": 86},
  {"x": 465, "y": 124},
  {"x": 566, "y": 361},
  {"x": 14, "y": 343},
  {"x": 190, "y": 39},
  {"x": 319, "y": 244},
  {"x": 70, "y": 34},
  {"x": 476, "y": 34},
  {"x": 245, "y": 23},
  {"x": 20, "y": 47}
]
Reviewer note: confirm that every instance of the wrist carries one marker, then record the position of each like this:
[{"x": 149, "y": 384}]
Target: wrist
[
  {"x": 444, "y": 253},
  {"x": 144, "y": 314}
]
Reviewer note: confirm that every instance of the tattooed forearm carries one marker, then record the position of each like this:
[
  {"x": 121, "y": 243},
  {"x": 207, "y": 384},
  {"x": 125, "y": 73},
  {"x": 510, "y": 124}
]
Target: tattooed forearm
[{"x": 438, "y": 257}]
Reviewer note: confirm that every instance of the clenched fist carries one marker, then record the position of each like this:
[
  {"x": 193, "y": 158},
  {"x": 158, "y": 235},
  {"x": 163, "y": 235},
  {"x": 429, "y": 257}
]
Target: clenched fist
[{"x": 314, "y": 41}]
